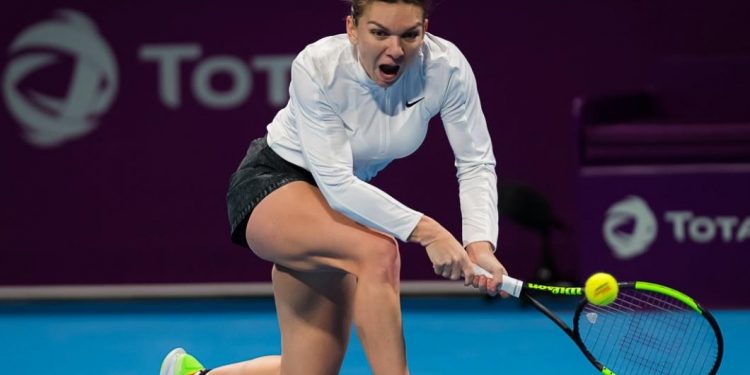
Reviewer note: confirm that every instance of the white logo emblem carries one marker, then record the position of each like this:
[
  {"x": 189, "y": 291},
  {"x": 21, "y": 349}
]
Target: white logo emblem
[
  {"x": 592, "y": 317},
  {"x": 49, "y": 121},
  {"x": 630, "y": 227}
]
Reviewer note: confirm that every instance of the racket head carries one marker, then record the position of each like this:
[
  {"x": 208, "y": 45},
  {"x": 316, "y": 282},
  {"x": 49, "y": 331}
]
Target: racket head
[{"x": 649, "y": 329}]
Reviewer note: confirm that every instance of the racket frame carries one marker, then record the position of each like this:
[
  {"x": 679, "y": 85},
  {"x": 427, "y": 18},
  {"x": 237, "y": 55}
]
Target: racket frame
[{"x": 524, "y": 292}]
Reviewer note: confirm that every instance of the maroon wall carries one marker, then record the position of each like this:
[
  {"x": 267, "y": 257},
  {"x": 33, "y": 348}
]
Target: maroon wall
[{"x": 140, "y": 197}]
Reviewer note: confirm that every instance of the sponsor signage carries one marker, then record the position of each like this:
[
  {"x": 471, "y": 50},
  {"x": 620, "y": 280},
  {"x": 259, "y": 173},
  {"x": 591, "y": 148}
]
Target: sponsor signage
[
  {"x": 118, "y": 137},
  {"x": 49, "y": 121},
  {"x": 93, "y": 80},
  {"x": 689, "y": 229}
]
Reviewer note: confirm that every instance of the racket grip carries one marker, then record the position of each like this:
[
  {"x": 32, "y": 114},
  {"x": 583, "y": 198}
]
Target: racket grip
[
  {"x": 482, "y": 272},
  {"x": 509, "y": 285}
]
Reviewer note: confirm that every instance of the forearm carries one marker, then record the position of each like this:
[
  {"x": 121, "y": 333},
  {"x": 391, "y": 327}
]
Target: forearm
[
  {"x": 480, "y": 248},
  {"x": 427, "y": 231},
  {"x": 482, "y": 253}
]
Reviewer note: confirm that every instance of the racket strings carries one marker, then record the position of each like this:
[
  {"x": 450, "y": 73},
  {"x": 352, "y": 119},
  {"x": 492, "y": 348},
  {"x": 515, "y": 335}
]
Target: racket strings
[
  {"x": 654, "y": 339},
  {"x": 648, "y": 333}
]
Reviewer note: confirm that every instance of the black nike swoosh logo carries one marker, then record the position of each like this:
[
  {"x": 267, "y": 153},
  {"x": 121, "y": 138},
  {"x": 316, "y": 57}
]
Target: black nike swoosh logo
[{"x": 414, "y": 102}]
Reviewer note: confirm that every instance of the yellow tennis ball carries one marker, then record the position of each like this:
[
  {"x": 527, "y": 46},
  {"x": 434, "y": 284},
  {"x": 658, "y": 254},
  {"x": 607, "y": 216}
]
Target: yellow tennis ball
[{"x": 601, "y": 289}]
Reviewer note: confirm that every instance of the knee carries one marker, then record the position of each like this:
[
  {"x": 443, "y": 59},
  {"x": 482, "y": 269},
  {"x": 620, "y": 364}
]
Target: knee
[{"x": 381, "y": 260}]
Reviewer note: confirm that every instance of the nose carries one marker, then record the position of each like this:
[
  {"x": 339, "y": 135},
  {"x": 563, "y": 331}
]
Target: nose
[{"x": 395, "y": 50}]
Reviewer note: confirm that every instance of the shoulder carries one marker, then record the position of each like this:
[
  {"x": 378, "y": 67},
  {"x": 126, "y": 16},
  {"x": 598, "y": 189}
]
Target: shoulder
[
  {"x": 326, "y": 48},
  {"x": 446, "y": 69},
  {"x": 323, "y": 58},
  {"x": 442, "y": 54}
]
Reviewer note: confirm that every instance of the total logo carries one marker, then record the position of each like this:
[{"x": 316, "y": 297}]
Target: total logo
[
  {"x": 49, "y": 121},
  {"x": 630, "y": 227}
]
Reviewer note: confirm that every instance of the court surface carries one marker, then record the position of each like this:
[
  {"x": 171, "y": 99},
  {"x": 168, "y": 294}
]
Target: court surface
[{"x": 458, "y": 335}]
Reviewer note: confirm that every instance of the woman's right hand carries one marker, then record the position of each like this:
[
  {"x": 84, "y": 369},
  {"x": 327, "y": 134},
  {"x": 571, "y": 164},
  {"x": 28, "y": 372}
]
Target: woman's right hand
[{"x": 448, "y": 257}]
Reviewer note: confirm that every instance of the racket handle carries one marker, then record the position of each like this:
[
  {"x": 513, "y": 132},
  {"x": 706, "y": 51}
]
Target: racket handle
[
  {"x": 510, "y": 285},
  {"x": 482, "y": 272}
]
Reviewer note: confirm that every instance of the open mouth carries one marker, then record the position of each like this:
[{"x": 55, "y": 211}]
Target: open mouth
[{"x": 389, "y": 70}]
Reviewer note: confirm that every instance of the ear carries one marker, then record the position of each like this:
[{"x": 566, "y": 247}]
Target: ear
[
  {"x": 351, "y": 30},
  {"x": 426, "y": 23}
]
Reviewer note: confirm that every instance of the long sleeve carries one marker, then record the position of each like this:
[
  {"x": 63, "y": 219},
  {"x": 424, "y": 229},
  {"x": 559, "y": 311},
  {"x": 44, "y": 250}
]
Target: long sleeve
[{"x": 467, "y": 132}]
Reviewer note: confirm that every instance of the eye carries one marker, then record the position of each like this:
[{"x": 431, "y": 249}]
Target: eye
[
  {"x": 380, "y": 34},
  {"x": 411, "y": 35}
]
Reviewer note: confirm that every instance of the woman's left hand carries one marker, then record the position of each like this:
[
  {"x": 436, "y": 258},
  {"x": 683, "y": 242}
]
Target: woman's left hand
[{"x": 482, "y": 255}]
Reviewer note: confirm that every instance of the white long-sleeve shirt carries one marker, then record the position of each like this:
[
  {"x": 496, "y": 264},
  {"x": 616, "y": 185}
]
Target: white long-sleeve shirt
[{"x": 344, "y": 129}]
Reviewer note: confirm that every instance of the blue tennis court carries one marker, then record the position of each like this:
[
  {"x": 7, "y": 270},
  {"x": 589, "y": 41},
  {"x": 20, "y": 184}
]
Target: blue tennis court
[{"x": 456, "y": 335}]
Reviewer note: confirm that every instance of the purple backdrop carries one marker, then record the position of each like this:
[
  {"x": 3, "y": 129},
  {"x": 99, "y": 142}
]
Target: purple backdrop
[{"x": 121, "y": 123}]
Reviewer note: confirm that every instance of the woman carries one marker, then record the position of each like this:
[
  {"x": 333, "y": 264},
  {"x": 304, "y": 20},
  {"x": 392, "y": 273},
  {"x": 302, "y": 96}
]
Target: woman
[{"x": 301, "y": 201}]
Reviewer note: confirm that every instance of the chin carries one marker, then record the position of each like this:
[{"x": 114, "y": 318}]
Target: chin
[{"x": 386, "y": 84}]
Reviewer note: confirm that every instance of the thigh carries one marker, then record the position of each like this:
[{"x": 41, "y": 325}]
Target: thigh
[
  {"x": 295, "y": 227},
  {"x": 315, "y": 313},
  {"x": 320, "y": 255}
]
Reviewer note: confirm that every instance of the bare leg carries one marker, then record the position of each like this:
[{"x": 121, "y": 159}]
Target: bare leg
[
  {"x": 296, "y": 228},
  {"x": 377, "y": 316},
  {"x": 314, "y": 312}
]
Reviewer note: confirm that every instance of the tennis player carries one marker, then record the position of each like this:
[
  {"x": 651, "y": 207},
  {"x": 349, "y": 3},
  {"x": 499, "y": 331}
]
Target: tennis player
[{"x": 301, "y": 198}]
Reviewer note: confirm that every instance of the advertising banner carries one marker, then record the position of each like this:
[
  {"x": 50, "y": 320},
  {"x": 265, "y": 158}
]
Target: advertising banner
[{"x": 687, "y": 227}]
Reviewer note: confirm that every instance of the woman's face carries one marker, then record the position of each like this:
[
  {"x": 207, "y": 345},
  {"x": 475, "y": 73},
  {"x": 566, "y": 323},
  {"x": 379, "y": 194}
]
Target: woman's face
[{"x": 388, "y": 37}]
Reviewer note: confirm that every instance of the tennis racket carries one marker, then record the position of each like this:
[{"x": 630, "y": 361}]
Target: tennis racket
[{"x": 649, "y": 329}]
